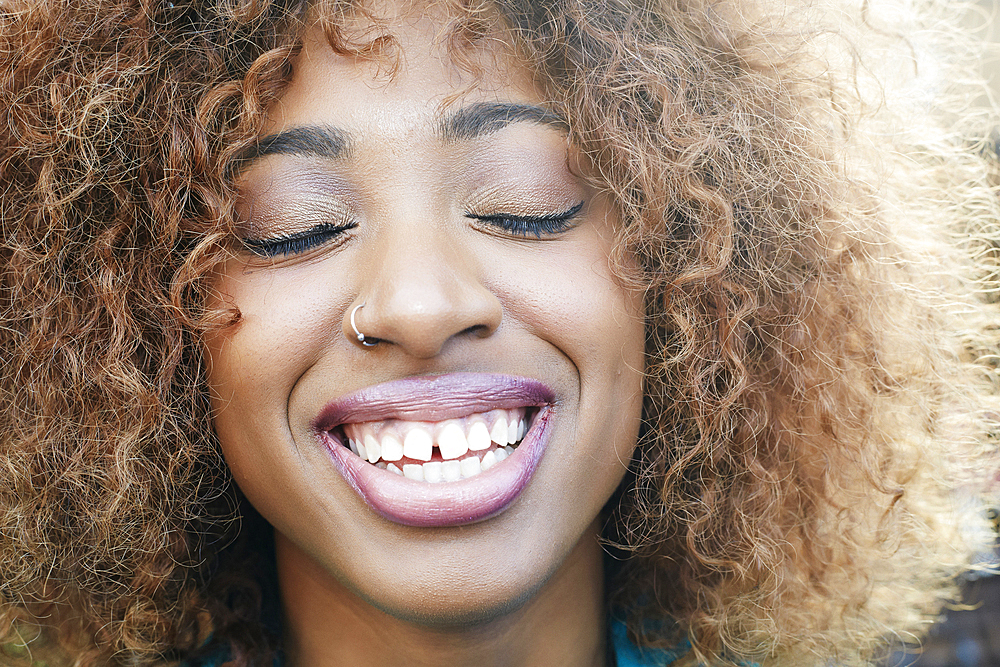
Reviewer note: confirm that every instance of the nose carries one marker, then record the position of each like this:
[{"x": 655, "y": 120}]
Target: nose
[{"x": 421, "y": 291}]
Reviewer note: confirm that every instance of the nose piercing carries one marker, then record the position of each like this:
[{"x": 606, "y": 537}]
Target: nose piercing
[{"x": 361, "y": 336}]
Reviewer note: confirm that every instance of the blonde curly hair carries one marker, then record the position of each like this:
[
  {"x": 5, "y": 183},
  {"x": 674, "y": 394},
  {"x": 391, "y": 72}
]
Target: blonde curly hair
[{"x": 816, "y": 239}]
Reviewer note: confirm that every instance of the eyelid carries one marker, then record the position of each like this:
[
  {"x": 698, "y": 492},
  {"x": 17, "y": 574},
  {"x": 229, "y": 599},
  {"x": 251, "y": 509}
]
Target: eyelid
[
  {"x": 284, "y": 224},
  {"x": 547, "y": 224},
  {"x": 297, "y": 242}
]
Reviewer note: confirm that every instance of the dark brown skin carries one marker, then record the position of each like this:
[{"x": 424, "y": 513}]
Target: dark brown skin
[{"x": 444, "y": 293}]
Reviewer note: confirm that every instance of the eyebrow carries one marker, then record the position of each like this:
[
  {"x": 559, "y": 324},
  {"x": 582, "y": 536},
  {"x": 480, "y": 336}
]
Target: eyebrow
[
  {"x": 469, "y": 122},
  {"x": 482, "y": 118},
  {"x": 316, "y": 140}
]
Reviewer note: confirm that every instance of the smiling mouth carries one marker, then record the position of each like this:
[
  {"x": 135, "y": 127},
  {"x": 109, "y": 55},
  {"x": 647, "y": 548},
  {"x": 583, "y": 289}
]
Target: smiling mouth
[
  {"x": 433, "y": 426},
  {"x": 445, "y": 451}
]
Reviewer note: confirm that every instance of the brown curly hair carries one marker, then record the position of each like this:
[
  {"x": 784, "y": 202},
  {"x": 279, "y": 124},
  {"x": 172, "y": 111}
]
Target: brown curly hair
[{"x": 817, "y": 253}]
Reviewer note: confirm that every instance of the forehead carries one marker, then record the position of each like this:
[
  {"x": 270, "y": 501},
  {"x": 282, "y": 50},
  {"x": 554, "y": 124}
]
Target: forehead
[{"x": 409, "y": 88}]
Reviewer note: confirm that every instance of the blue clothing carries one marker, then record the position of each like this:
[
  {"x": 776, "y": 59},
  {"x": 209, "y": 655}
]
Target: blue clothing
[{"x": 626, "y": 653}]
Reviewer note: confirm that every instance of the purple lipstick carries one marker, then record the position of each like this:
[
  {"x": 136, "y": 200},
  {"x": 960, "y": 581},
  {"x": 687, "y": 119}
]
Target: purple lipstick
[{"x": 439, "y": 450}]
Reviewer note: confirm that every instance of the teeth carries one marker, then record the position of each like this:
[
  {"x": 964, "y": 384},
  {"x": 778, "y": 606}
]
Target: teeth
[
  {"x": 479, "y": 437},
  {"x": 433, "y": 471},
  {"x": 499, "y": 432},
  {"x": 418, "y": 445},
  {"x": 373, "y": 448},
  {"x": 392, "y": 448},
  {"x": 384, "y": 444},
  {"x": 451, "y": 470},
  {"x": 470, "y": 466},
  {"x": 452, "y": 442}
]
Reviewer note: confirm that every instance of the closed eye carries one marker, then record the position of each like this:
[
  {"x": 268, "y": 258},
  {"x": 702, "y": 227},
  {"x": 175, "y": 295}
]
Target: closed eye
[
  {"x": 523, "y": 225},
  {"x": 298, "y": 242}
]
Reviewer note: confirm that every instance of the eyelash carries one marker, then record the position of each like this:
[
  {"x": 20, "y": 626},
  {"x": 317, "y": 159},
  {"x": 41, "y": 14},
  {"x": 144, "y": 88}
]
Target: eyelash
[
  {"x": 292, "y": 244},
  {"x": 517, "y": 225},
  {"x": 523, "y": 225}
]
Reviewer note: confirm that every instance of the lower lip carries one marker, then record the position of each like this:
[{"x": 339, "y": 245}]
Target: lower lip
[{"x": 426, "y": 504}]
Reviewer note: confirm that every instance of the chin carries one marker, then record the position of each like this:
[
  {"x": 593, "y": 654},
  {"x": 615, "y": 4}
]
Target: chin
[{"x": 456, "y": 609}]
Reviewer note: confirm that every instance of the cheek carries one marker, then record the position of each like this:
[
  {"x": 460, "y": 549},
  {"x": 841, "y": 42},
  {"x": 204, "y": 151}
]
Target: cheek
[
  {"x": 285, "y": 325},
  {"x": 254, "y": 364},
  {"x": 569, "y": 298}
]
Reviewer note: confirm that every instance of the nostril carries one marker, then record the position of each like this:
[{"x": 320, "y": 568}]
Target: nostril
[{"x": 480, "y": 330}]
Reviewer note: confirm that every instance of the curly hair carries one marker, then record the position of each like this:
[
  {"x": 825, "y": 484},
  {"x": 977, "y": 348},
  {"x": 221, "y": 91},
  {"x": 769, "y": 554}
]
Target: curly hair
[{"x": 816, "y": 241}]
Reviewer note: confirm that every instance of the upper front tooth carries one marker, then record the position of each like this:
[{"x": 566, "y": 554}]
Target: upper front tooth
[
  {"x": 362, "y": 452},
  {"x": 499, "y": 432},
  {"x": 418, "y": 444},
  {"x": 373, "y": 448},
  {"x": 452, "y": 442},
  {"x": 479, "y": 437},
  {"x": 392, "y": 448},
  {"x": 522, "y": 428},
  {"x": 512, "y": 430}
]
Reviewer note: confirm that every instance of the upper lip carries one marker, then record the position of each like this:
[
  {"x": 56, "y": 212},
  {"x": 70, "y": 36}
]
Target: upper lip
[{"x": 434, "y": 398}]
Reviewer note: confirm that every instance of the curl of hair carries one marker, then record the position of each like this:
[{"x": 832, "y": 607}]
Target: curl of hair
[{"x": 816, "y": 252}]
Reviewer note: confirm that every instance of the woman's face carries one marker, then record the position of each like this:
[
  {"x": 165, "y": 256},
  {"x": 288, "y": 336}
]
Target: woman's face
[{"x": 455, "y": 211}]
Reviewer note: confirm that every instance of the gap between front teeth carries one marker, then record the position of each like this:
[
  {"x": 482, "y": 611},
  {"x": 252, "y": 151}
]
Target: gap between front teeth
[{"x": 387, "y": 443}]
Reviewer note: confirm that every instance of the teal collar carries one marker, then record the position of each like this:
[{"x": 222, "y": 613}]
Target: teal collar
[{"x": 628, "y": 654}]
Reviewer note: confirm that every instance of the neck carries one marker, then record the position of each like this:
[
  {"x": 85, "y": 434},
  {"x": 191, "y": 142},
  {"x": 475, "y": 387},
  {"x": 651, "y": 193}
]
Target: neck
[{"x": 326, "y": 624}]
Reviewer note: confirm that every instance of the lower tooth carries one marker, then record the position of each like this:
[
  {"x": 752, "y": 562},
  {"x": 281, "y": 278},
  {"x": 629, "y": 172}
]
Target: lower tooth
[
  {"x": 489, "y": 460},
  {"x": 446, "y": 471},
  {"x": 433, "y": 472},
  {"x": 451, "y": 471},
  {"x": 471, "y": 466}
]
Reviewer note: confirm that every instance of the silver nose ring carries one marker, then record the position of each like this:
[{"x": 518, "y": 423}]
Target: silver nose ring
[{"x": 361, "y": 336}]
